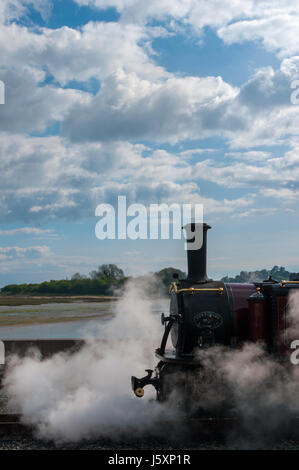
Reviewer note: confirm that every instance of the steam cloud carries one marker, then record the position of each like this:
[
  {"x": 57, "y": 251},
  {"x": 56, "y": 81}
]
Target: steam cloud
[{"x": 87, "y": 394}]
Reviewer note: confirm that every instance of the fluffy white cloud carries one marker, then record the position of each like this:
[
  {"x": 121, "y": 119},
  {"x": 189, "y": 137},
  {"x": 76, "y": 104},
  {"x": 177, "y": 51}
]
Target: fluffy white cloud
[
  {"x": 275, "y": 29},
  {"x": 178, "y": 108},
  {"x": 137, "y": 98},
  {"x": 16, "y": 252},
  {"x": 273, "y": 172},
  {"x": 62, "y": 180},
  {"x": 59, "y": 180},
  {"x": 274, "y": 23},
  {"x": 95, "y": 50},
  {"x": 128, "y": 107},
  {"x": 66, "y": 177},
  {"x": 30, "y": 107}
]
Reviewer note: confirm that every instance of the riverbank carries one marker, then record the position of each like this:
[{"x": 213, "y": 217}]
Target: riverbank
[
  {"x": 55, "y": 313},
  {"x": 19, "y": 300}
]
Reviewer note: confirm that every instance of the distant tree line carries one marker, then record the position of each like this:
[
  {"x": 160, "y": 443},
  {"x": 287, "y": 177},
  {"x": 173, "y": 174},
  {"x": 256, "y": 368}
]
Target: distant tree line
[
  {"x": 279, "y": 273},
  {"x": 106, "y": 280},
  {"x": 103, "y": 281},
  {"x": 109, "y": 278}
]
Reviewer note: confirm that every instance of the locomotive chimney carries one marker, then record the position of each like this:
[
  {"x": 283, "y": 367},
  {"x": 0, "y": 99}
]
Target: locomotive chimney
[{"x": 197, "y": 259}]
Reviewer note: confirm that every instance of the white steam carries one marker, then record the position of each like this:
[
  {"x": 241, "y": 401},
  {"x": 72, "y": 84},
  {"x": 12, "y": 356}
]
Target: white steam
[
  {"x": 293, "y": 316},
  {"x": 88, "y": 394}
]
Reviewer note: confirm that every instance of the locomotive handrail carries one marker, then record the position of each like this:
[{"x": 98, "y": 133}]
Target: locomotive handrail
[
  {"x": 283, "y": 283},
  {"x": 174, "y": 288},
  {"x": 207, "y": 289}
]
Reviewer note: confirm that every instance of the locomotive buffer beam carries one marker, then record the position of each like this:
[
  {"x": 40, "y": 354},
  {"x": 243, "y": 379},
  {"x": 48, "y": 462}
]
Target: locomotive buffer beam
[{"x": 139, "y": 384}]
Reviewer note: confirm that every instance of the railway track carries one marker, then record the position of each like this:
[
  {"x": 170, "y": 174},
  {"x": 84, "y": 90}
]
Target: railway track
[
  {"x": 190, "y": 431},
  {"x": 11, "y": 425}
]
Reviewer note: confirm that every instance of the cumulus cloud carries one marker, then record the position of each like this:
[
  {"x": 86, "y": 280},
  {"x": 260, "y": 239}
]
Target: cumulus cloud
[
  {"x": 179, "y": 108},
  {"x": 38, "y": 64},
  {"x": 272, "y": 176},
  {"x": 95, "y": 50},
  {"x": 272, "y": 23},
  {"x": 262, "y": 112},
  {"x": 130, "y": 108},
  {"x": 138, "y": 100},
  {"x": 275, "y": 29},
  {"x": 30, "y": 107},
  {"x": 66, "y": 181},
  {"x": 16, "y": 252}
]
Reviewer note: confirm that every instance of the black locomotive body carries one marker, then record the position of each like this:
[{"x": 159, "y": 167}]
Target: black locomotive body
[{"x": 204, "y": 313}]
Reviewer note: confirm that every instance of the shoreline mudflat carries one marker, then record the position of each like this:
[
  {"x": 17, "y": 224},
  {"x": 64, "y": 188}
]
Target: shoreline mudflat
[
  {"x": 18, "y": 300},
  {"x": 31, "y": 321}
]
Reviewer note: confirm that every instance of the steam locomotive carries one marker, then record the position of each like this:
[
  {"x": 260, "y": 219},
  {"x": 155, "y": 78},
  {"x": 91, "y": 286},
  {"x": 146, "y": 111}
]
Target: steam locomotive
[{"x": 204, "y": 313}]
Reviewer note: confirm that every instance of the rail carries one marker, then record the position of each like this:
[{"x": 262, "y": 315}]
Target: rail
[{"x": 11, "y": 425}]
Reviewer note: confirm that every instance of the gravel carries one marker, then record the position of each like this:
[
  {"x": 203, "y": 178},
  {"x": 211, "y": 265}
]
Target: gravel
[
  {"x": 27, "y": 442},
  {"x": 31, "y": 443},
  {"x": 35, "y": 444}
]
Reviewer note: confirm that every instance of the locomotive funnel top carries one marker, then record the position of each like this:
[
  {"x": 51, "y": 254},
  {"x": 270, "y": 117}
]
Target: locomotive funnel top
[{"x": 197, "y": 259}]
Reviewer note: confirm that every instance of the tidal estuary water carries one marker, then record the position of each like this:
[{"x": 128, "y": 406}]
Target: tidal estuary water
[{"x": 61, "y": 320}]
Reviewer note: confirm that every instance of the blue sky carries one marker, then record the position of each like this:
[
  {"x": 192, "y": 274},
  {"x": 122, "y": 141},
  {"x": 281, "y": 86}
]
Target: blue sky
[{"x": 174, "y": 101}]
